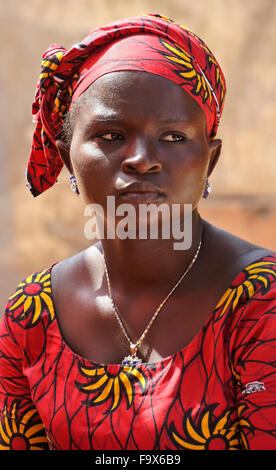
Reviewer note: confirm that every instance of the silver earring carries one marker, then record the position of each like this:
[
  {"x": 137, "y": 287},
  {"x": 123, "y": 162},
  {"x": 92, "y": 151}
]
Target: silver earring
[
  {"x": 207, "y": 189},
  {"x": 73, "y": 183}
]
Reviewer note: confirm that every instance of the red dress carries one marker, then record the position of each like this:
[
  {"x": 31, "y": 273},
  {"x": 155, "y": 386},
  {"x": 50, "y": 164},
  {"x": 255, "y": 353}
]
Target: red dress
[{"x": 219, "y": 392}]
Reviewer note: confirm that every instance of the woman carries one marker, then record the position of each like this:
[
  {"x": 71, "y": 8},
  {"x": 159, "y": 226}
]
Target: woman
[{"x": 133, "y": 344}]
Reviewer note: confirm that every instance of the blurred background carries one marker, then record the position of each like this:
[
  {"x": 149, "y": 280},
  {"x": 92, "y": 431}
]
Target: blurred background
[{"x": 36, "y": 233}]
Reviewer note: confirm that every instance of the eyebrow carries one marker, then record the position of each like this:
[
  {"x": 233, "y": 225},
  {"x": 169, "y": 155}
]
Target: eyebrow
[{"x": 113, "y": 118}]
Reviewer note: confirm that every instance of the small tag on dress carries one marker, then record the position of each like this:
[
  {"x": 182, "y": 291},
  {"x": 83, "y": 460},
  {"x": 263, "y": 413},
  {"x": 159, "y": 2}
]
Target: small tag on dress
[{"x": 253, "y": 387}]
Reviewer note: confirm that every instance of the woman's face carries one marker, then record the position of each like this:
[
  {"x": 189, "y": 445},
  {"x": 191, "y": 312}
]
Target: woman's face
[{"x": 141, "y": 138}]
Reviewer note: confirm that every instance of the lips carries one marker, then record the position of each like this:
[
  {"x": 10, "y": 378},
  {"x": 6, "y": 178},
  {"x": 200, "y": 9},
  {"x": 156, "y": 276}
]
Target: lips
[{"x": 141, "y": 191}]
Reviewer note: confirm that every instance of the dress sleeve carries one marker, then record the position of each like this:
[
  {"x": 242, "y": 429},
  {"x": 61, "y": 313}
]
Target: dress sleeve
[
  {"x": 253, "y": 362},
  {"x": 20, "y": 425}
]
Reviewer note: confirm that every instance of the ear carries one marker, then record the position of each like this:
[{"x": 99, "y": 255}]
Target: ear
[
  {"x": 64, "y": 153},
  {"x": 215, "y": 150}
]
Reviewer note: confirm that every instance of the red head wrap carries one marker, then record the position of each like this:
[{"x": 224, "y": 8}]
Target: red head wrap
[{"x": 150, "y": 43}]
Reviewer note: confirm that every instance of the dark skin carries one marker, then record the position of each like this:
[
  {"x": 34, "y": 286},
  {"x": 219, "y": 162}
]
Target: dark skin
[{"x": 120, "y": 136}]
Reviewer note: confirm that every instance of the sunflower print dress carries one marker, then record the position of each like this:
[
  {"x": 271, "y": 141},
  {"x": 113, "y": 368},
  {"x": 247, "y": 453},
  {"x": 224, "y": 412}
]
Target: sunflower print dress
[{"x": 218, "y": 393}]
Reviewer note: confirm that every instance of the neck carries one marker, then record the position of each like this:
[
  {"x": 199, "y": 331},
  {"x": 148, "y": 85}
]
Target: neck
[{"x": 139, "y": 264}]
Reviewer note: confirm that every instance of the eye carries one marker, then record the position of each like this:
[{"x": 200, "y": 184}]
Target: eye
[
  {"x": 111, "y": 136},
  {"x": 174, "y": 137}
]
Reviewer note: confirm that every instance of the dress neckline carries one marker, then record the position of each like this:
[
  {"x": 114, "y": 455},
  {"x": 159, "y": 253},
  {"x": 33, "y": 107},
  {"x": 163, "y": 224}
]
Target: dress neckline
[{"x": 163, "y": 362}]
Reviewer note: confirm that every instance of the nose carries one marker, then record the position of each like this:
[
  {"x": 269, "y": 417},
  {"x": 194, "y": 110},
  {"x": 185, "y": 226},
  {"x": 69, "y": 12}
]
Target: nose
[{"x": 141, "y": 158}]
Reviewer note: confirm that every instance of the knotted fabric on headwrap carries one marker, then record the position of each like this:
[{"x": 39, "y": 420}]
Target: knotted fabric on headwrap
[{"x": 150, "y": 43}]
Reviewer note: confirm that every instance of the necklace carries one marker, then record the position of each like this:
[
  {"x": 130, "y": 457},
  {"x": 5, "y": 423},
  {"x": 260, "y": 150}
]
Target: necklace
[{"x": 132, "y": 359}]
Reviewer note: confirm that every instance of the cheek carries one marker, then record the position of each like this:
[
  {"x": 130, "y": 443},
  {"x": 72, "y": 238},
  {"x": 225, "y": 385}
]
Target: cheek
[
  {"x": 92, "y": 170},
  {"x": 190, "y": 172},
  {"x": 87, "y": 157}
]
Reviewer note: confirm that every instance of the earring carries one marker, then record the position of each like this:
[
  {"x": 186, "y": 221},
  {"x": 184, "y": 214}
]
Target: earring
[
  {"x": 207, "y": 189},
  {"x": 74, "y": 186}
]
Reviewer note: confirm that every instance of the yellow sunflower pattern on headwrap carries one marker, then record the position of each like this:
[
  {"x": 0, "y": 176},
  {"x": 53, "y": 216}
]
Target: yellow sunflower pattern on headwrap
[
  {"x": 104, "y": 385},
  {"x": 257, "y": 275},
  {"x": 21, "y": 431},
  {"x": 32, "y": 298},
  {"x": 188, "y": 71},
  {"x": 209, "y": 432}
]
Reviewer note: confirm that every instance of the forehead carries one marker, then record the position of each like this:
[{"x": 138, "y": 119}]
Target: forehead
[{"x": 141, "y": 94}]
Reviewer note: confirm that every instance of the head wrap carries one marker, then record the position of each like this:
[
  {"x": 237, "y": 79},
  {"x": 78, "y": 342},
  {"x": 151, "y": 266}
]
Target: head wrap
[{"x": 150, "y": 43}]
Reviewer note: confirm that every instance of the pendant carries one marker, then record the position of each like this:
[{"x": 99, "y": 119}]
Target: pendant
[{"x": 132, "y": 359}]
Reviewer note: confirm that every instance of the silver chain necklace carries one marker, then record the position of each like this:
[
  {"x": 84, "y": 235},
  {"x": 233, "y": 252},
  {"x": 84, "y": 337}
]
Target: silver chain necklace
[{"x": 132, "y": 359}]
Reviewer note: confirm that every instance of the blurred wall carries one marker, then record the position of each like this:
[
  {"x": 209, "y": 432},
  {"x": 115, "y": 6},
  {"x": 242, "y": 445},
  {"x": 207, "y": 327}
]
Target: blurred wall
[{"x": 38, "y": 232}]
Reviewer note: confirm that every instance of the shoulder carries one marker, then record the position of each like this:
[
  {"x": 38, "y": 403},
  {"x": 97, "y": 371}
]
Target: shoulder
[
  {"x": 78, "y": 271},
  {"x": 31, "y": 300},
  {"x": 232, "y": 247},
  {"x": 248, "y": 308},
  {"x": 250, "y": 296},
  {"x": 228, "y": 254},
  {"x": 254, "y": 282}
]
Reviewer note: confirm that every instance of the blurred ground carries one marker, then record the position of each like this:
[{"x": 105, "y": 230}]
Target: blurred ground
[{"x": 38, "y": 232}]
